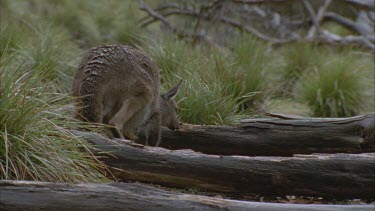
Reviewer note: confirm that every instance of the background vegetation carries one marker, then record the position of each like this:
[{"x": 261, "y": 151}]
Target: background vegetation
[{"x": 42, "y": 42}]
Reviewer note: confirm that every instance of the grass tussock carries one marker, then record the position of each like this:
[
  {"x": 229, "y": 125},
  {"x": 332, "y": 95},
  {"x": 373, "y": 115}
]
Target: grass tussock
[
  {"x": 299, "y": 59},
  {"x": 210, "y": 93},
  {"x": 334, "y": 88},
  {"x": 251, "y": 58},
  {"x": 35, "y": 138}
]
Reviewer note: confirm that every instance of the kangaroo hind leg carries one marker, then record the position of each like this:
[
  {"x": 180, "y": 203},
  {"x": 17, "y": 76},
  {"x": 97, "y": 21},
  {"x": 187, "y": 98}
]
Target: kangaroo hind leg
[{"x": 128, "y": 109}]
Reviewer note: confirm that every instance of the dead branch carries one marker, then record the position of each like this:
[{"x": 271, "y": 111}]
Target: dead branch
[
  {"x": 363, "y": 4},
  {"x": 241, "y": 22},
  {"x": 224, "y": 20},
  {"x": 316, "y": 18},
  {"x": 333, "y": 39},
  {"x": 32, "y": 195},
  {"x": 343, "y": 21},
  {"x": 240, "y": 175},
  {"x": 180, "y": 33}
]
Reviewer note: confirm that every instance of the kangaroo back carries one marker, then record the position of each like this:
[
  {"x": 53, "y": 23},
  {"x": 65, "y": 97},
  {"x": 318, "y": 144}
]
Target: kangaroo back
[{"x": 119, "y": 85}]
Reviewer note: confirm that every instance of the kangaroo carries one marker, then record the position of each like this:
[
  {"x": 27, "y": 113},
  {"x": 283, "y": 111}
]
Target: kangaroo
[{"x": 119, "y": 85}]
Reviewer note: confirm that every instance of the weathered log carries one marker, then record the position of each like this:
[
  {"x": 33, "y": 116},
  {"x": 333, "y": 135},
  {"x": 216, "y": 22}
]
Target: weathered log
[
  {"x": 277, "y": 137},
  {"x": 25, "y": 195},
  {"x": 331, "y": 176}
]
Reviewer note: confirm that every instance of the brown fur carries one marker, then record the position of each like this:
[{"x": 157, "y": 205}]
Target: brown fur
[{"x": 119, "y": 85}]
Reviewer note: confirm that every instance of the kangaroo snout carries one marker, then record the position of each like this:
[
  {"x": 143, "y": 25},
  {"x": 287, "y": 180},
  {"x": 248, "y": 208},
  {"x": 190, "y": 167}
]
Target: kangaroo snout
[{"x": 174, "y": 126}]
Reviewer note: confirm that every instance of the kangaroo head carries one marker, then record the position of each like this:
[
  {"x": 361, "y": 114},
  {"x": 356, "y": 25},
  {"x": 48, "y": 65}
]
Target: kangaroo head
[{"x": 168, "y": 108}]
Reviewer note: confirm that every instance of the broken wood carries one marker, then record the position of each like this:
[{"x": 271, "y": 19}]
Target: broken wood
[
  {"x": 277, "y": 137},
  {"x": 27, "y": 195},
  {"x": 331, "y": 176}
]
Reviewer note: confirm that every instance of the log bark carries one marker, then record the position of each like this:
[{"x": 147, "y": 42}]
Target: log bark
[
  {"x": 25, "y": 195},
  {"x": 277, "y": 137},
  {"x": 331, "y": 176}
]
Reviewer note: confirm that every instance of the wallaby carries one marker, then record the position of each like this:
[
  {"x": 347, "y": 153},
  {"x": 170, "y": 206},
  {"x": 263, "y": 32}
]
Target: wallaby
[{"x": 119, "y": 85}]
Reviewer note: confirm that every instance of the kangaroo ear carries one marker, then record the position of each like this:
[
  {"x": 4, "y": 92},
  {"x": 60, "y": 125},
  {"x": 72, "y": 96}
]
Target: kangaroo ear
[{"x": 172, "y": 92}]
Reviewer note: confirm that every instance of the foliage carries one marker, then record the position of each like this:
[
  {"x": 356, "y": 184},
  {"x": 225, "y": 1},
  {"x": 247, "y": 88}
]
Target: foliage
[
  {"x": 334, "y": 88},
  {"x": 42, "y": 42},
  {"x": 35, "y": 138},
  {"x": 251, "y": 60},
  {"x": 209, "y": 94},
  {"x": 299, "y": 58},
  {"x": 88, "y": 22}
]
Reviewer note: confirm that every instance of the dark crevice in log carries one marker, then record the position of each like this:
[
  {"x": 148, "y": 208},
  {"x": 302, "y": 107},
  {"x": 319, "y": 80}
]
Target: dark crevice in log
[
  {"x": 277, "y": 137},
  {"x": 339, "y": 176}
]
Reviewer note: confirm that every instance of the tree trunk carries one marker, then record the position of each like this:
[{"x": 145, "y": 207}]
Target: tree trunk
[
  {"x": 24, "y": 195},
  {"x": 338, "y": 176},
  {"x": 277, "y": 137}
]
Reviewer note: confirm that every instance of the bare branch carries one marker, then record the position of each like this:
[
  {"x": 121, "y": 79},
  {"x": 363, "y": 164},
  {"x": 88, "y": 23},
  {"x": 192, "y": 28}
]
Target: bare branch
[
  {"x": 342, "y": 20},
  {"x": 330, "y": 38},
  {"x": 157, "y": 16},
  {"x": 322, "y": 10},
  {"x": 242, "y": 22},
  {"x": 228, "y": 21},
  {"x": 365, "y": 4},
  {"x": 203, "y": 10},
  {"x": 159, "y": 8},
  {"x": 316, "y": 18},
  {"x": 311, "y": 12}
]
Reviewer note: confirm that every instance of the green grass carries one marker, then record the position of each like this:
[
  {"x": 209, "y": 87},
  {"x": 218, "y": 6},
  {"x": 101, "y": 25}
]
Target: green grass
[
  {"x": 35, "y": 138},
  {"x": 42, "y": 43},
  {"x": 88, "y": 22},
  {"x": 38, "y": 60},
  {"x": 334, "y": 88},
  {"x": 243, "y": 75},
  {"x": 209, "y": 95},
  {"x": 46, "y": 47},
  {"x": 53, "y": 52},
  {"x": 287, "y": 106},
  {"x": 299, "y": 59},
  {"x": 251, "y": 61}
]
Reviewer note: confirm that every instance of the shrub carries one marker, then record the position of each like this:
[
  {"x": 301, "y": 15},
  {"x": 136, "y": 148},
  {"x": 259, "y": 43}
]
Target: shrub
[
  {"x": 250, "y": 60},
  {"x": 299, "y": 58},
  {"x": 44, "y": 46},
  {"x": 334, "y": 88},
  {"x": 53, "y": 54},
  {"x": 206, "y": 95},
  {"x": 35, "y": 138}
]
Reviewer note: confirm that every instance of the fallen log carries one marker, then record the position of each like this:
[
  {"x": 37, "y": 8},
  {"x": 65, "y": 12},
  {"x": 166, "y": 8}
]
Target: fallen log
[
  {"x": 339, "y": 176},
  {"x": 277, "y": 137},
  {"x": 25, "y": 195}
]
